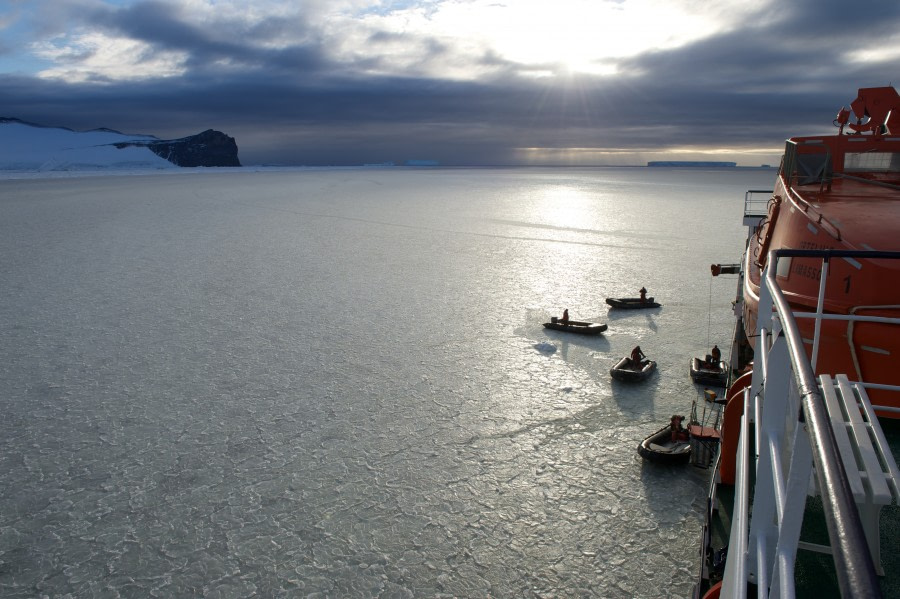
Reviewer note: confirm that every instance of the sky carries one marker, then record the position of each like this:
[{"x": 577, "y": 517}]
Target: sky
[{"x": 461, "y": 82}]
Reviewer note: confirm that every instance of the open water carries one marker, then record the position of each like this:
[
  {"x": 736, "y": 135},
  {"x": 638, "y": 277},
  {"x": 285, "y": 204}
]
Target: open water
[{"x": 336, "y": 383}]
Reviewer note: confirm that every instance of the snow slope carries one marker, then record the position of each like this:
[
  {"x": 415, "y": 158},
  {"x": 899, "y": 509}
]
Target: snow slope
[{"x": 28, "y": 147}]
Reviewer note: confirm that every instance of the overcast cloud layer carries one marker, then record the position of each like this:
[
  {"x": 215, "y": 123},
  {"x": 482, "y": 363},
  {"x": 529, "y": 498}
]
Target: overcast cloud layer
[{"x": 463, "y": 82}]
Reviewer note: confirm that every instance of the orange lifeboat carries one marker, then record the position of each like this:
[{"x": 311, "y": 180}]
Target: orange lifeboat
[{"x": 840, "y": 192}]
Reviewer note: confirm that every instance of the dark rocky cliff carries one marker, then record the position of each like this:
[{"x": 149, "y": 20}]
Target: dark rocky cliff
[{"x": 210, "y": 148}]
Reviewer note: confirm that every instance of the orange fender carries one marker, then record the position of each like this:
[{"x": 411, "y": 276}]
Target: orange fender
[
  {"x": 774, "y": 210},
  {"x": 714, "y": 591},
  {"x": 731, "y": 427}
]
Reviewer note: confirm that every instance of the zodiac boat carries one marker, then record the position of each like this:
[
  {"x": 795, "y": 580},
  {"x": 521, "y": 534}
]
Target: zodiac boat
[
  {"x": 704, "y": 373},
  {"x": 625, "y": 370},
  {"x": 575, "y": 326},
  {"x": 632, "y": 303},
  {"x": 662, "y": 448},
  {"x": 810, "y": 433}
]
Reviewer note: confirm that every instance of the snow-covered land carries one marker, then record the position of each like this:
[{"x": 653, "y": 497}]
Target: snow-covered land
[{"x": 28, "y": 147}]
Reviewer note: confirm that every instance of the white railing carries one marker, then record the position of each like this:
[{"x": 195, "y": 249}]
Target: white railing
[
  {"x": 755, "y": 206},
  {"x": 802, "y": 429}
]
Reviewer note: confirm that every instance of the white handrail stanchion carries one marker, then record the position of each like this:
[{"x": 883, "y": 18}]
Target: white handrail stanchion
[
  {"x": 820, "y": 307},
  {"x": 794, "y": 436}
]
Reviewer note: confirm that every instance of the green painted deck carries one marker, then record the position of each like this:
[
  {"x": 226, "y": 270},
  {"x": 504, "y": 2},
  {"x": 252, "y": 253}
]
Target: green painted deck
[{"x": 815, "y": 572}]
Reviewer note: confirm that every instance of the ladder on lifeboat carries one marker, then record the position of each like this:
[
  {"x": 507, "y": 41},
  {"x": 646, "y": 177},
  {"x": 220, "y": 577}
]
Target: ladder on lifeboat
[{"x": 802, "y": 435}]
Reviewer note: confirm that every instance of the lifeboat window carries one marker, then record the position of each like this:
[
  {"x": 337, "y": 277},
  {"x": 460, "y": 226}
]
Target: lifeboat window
[
  {"x": 880, "y": 162},
  {"x": 784, "y": 267},
  {"x": 813, "y": 168}
]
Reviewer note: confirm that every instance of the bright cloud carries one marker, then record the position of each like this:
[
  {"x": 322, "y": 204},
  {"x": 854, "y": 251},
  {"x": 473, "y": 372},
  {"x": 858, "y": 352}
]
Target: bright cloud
[
  {"x": 578, "y": 34},
  {"x": 453, "y": 39},
  {"x": 884, "y": 51},
  {"x": 565, "y": 36},
  {"x": 96, "y": 56}
]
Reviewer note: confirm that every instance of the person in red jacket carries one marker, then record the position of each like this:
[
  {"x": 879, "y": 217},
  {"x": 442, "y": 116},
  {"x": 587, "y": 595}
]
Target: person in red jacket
[{"x": 678, "y": 432}]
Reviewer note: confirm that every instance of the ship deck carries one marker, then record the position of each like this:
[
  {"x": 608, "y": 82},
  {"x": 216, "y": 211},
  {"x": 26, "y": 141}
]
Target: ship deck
[{"x": 815, "y": 575}]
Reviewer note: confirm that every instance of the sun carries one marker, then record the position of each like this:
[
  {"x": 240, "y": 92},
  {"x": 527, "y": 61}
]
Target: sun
[
  {"x": 562, "y": 40},
  {"x": 571, "y": 36}
]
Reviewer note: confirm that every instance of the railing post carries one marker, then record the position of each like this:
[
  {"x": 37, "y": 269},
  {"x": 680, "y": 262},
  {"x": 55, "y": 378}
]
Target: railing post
[
  {"x": 795, "y": 503},
  {"x": 768, "y": 498},
  {"x": 734, "y": 581},
  {"x": 820, "y": 307},
  {"x": 853, "y": 562},
  {"x": 786, "y": 401}
]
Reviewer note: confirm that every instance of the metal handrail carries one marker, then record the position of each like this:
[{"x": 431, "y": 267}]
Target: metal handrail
[
  {"x": 829, "y": 254},
  {"x": 754, "y": 207},
  {"x": 885, "y": 184},
  {"x": 853, "y": 563}
]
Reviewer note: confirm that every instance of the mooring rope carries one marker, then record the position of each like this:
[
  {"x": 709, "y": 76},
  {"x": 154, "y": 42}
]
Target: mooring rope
[{"x": 709, "y": 315}]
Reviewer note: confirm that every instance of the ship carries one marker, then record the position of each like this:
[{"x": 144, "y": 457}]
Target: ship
[{"x": 803, "y": 499}]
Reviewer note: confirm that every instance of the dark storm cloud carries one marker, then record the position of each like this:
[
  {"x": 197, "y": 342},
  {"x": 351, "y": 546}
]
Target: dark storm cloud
[
  {"x": 824, "y": 19},
  {"x": 784, "y": 73},
  {"x": 163, "y": 26},
  {"x": 158, "y": 23},
  {"x": 770, "y": 79}
]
